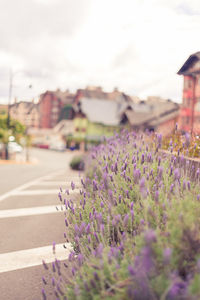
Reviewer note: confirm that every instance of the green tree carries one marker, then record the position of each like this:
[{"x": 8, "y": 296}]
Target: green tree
[
  {"x": 15, "y": 129},
  {"x": 67, "y": 112}
]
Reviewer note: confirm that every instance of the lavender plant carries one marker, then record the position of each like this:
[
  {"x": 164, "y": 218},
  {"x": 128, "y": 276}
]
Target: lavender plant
[{"x": 135, "y": 230}]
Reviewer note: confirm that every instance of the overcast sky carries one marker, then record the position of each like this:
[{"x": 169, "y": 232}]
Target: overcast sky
[{"x": 135, "y": 45}]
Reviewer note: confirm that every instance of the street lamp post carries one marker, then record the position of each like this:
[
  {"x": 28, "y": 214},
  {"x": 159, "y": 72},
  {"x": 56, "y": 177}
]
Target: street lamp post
[
  {"x": 11, "y": 76},
  {"x": 9, "y": 102}
]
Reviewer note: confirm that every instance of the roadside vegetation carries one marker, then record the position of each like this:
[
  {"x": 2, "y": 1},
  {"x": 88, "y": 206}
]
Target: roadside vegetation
[
  {"x": 135, "y": 232},
  {"x": 16, "y": 130},
  {"x": 78, "y": 163}
]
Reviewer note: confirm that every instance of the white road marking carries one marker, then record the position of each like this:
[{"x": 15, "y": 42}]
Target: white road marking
[
  {"x": 31, "y": 211},
  {"x": 67, "y": 177},
  {"x": 30, "y": 183},
  {"x": 42, "y": 192},
  {"x": 57, "y": 183},
  {"x": 32, "y": 257}
]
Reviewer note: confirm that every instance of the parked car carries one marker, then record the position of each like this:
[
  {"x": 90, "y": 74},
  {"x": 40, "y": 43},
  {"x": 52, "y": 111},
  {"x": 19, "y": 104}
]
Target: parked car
[
  {"x": 58, "y": 146},
  {"x": 14, "y": 147}
]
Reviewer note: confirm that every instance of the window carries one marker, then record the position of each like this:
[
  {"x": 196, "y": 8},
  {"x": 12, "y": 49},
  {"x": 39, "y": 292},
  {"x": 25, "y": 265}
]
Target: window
[
  {"x": 188, "y": 103},
  {"x": 187, "y": 83},
  {"x": 184, "y": 102}
]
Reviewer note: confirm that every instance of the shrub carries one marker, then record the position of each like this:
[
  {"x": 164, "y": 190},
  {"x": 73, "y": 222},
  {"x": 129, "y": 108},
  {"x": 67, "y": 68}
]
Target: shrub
[
  {"x": 136, "y": 230},
  {"x": 77, "y": 163}
]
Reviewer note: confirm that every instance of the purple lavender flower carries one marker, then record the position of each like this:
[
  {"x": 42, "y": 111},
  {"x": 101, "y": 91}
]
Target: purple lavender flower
[
  {"x": 146, "y": 259},
  {"x": 143, "y": 189},
  {"x": 187, "y": 139},
  {"x": 150, "y": 236},
  {"x": 44, "y": 280},
  {"x": 96, "y": 237},
  {"x": 105, "y": 180},
  {"x": 177, "y": 174},
  {"x": 73, "y": 185},
  {"x": 177, "y": 291},
  {"x": 102, "y": 204},
  {"x": 54, "y": 247},
  {"x": 95, "y": 188},
  {"x": 142, "y": 222},
  {"x": 53, "y": 281},
  {"x": 96, "y": 276},
  {"x": 59, "y": 289},
  {"x": 93, "y": 284},
  {"x": 149, "y": 157},
  {"x": 60, "y": 196},
  {"x": 73, "y": 271},
  {"x": 167, "y": 252},
  {"x": 44, "y": 294},
  {"x": 127, "y": 194},
  {"x": 160, "y": 172},
  {"x": 45, "y": 265},
  {"x": 125, "y": 221},
  {"x": 142, "y": 158},
  {"x": 53, "y": 267},
  {"x": 188, "y": 185},
  {"x": 171, "y": 187},
  {"x": 110, "y": 194},
  {"x": 80, "y": 259},
  {"x": 159, "y": 140},
  {"x": 131, "y": 270},
  {"x": 156, "y": 196},
  {"x": 86, "y": 286},
  {"x": 136, "y": 175}
]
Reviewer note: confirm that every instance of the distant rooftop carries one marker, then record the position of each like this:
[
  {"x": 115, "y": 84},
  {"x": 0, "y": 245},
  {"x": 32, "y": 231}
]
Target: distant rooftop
[
  {"x": 102, "y": 111},
  {"x": 187, "y": 68}
]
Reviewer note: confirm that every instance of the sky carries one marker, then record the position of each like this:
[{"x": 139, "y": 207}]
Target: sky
[{"x": 137, "y": 46}]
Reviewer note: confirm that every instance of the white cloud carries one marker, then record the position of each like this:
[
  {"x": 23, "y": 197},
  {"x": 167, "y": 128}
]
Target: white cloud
[{"x": 137, "y": 45}]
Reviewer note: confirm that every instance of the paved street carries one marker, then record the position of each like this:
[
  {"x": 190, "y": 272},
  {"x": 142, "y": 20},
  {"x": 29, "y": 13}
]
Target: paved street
[{"x": 30, "y": 222}]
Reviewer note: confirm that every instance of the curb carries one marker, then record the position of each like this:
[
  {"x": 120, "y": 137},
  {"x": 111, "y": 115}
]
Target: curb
[{"x": 14, "y": 162}]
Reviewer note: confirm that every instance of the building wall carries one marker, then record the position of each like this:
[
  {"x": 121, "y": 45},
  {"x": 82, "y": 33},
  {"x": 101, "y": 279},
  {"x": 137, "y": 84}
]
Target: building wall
[
  {"x": 187, "y": 105},
  {"x": 25, "y": 112},
  {"x": 50, "y": 107},
  {"x": 166, "y": 128}
]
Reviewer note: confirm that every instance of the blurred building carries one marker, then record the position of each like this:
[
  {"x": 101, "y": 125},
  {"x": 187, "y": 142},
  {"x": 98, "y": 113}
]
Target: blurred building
[
  {"x": 52, "y": 138},
  {"x": 96, "y": 92},
  {"x": 154, "y": 114},
  {"x": 25, "y": 112},
  {"x": 51, "y": 104},
  {"x": 190, "y": 111}
]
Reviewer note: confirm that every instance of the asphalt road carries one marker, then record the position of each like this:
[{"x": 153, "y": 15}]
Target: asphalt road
[
  {"x": 30, "y": 222},
  {"x": 44, "y": 162}
]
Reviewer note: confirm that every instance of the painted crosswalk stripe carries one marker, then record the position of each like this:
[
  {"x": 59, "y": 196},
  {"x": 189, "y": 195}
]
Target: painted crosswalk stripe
[
  {"x": 57, "y": 183},
  {"x": 32, "y": 257},
  {"x": 30, "y": 211},
  {"x": 28, "y": 184},
  {"x": 41, "y": 192}
]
